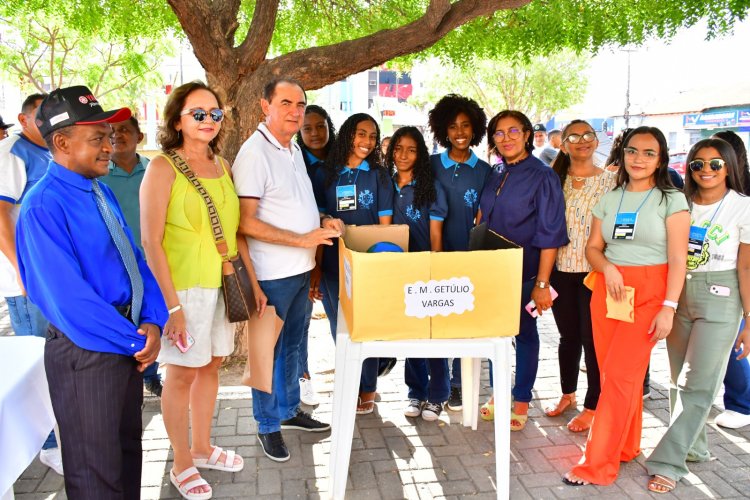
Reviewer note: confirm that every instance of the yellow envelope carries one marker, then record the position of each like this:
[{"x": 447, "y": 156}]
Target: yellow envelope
[{"x": 622, "y": 311}]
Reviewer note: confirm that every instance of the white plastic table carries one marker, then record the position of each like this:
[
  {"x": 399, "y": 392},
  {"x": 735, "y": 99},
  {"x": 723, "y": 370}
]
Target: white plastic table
[
  {"x": 349, "y": 357},
  {"x": 26, "y": 417}
]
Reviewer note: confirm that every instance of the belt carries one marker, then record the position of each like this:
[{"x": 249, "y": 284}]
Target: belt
[{"x": 124, "y": 310}]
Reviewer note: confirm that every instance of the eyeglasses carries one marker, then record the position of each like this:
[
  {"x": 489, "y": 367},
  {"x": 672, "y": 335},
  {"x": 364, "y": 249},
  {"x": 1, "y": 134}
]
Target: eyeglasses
[
  {"x": 697, "y": 165},
  {"x": 200, "y": 114},
  {"x": 511, "y": 134},
  {"x": 576, "y": 138},
  {"x": 649, "y": 154}
]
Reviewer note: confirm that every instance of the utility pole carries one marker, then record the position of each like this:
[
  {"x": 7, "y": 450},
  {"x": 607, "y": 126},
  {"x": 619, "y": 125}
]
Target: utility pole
[{"x": 626, "y": 115}]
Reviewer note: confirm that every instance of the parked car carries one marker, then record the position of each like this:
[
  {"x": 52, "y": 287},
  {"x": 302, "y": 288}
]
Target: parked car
[{"x": 677, "y": 162}]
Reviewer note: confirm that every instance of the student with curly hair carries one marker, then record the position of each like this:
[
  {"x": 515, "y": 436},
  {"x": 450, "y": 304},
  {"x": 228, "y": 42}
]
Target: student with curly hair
[
  {"x": 315, "y": 139},
  {"x": 458, "y": 123},
  {"x": 353, "y": 186},
  {"x": 421, "y": 203}
]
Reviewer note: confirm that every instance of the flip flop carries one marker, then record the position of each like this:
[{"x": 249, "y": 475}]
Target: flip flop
[
  {"x": 520, "y": 421},
  {"x": 212, "y": 462},
  {"x": 661, "y": 484},
  {"x": 566, "y": 401},
  {"x": 487, "y": 411},
  {"x": 582, "y": 421},
  {"x": 366, "y": 403}
]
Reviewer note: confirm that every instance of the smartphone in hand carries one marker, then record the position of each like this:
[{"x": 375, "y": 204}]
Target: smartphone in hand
[
  {"x": 531, "y": 306},
  {"x": 190, "y": 342}
]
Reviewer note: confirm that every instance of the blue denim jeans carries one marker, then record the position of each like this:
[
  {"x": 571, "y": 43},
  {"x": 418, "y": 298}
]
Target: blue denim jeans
[
  {"x": 427, "y": 379},
  {"x": 737, "y": 383},
  {"x": 289, "y": 297},
  {"x": 27, "y": 320},
  {"x": 304, "y": 368},
  {"x": 456, "y": 372},
  {"x": 329, "y": 287}
]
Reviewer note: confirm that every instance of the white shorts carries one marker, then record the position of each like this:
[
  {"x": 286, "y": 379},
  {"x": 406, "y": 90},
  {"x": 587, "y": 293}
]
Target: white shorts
[{"x": 207, "y": 323}]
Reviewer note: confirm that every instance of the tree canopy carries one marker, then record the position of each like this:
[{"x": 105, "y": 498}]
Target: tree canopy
[{"x": 243, "y": 43}]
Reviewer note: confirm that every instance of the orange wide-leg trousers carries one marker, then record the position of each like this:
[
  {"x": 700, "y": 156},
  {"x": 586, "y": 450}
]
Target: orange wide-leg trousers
[{"x": 623, "y": 351}]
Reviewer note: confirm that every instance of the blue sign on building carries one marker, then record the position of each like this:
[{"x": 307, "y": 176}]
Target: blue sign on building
[{"x": 713, "y": 119}]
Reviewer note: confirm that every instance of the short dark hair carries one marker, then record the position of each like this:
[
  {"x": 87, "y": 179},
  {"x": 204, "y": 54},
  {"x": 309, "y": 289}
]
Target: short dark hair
[
  {"x": 520, "y": 118},
  {"x": 554, "y": 132},
  {"x": 447, "y": 109},
  {"x": 270, "y": 88},
  {"x": 733, "y": 179},
  {"x": 168, "y": 136},
  {"x": 31, "y": 102},
  {"x": 48, "y": 139}
]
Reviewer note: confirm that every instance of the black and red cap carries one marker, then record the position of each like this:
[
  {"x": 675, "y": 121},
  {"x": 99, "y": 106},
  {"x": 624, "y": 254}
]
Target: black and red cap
[{"x": 74, "y": 106}]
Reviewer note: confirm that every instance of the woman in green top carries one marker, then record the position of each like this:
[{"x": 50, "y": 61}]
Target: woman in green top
[{"x": 181, "y": 252}]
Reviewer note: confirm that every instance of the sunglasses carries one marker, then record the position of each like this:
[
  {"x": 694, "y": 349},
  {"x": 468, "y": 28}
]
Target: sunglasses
[
  {"x": 511, "y": 134},
  {"x": 200, "y": 114},
  {"x": 697, "y": 165},
  {"x": 576, "y": 138}
]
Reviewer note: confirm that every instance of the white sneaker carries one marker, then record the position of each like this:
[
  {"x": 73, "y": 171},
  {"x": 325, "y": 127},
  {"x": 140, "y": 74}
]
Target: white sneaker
[
  {"x": 52, "y": 458},
  {"x": 414, "y": 408},
  {"x": 307, "y": 392},
  {"x": 732, "y": 419},
  {"x": 432, "y": 411}
]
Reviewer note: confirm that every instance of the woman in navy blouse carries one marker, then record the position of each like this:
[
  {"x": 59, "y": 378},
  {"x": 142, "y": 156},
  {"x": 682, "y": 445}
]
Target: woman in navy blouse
[{"x": 524, "y": 203}]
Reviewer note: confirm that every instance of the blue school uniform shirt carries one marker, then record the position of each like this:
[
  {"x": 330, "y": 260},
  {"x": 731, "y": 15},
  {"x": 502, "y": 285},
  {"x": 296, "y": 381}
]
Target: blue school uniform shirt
[
  {"x": 463, "y": 183},
  {"x": 530, "y": 209},
  {"x": 72, "y": 269},
  {"x": 418, "y": 218},
  {"x": 312, "y": 163},
  {"x": 374, "y": 198}
]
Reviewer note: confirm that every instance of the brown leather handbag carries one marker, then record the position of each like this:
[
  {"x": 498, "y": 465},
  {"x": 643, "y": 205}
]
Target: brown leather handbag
[{"x": 235, "y": 280}]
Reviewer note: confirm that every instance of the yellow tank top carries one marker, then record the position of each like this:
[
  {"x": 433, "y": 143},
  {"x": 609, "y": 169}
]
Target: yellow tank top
[{"x": 188, "y": 241}]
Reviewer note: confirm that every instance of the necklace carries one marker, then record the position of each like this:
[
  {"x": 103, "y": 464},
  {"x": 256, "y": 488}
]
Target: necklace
[{"x": 187, "y": 160}]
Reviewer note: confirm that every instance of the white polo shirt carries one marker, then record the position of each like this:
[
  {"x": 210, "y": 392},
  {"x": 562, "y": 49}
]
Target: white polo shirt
[{"x": 277, "y": 177}]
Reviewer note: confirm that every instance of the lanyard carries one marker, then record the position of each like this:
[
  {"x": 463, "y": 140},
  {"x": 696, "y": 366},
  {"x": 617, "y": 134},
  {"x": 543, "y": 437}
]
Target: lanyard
[
  {"x": 639, "y": 206},
  {"x": 711, "y": 220}
]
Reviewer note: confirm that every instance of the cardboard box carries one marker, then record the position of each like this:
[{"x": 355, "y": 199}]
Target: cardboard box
[{"x": 420, "y": 295}]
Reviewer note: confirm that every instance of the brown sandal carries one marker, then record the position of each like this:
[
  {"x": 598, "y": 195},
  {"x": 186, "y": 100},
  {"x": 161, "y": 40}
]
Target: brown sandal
[
  {"x": 582, "y": 421},
  {"x": 566, "y": 401},
  {"x": 366, "y": 403}
]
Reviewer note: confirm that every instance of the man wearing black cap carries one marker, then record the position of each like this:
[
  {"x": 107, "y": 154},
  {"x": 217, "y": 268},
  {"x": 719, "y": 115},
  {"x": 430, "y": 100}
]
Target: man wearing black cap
[
  {"x": 4, "y": 128},
  {"x": 80, "y": 265},
  {"x": 540, "y": 139}
]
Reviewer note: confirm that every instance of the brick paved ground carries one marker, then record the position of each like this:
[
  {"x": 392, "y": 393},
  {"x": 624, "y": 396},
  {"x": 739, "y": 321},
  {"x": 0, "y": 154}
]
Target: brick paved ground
[{"x": 396, "y": 457}]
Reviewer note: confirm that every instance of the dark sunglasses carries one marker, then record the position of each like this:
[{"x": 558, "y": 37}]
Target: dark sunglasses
[
  {"x": 697, "y": 165},
  {"x": 199, "y": 114}
]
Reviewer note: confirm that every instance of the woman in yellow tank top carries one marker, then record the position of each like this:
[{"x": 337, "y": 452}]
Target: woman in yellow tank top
[{"x": 181, "y": 252}]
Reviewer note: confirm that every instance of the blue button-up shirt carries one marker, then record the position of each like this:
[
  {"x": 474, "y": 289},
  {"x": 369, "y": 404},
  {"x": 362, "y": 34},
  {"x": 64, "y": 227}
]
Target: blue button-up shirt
[{"x": 71, "y": 267}]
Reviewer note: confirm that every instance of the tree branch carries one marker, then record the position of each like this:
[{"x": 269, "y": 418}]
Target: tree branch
[{"x": 254, "y": 48}]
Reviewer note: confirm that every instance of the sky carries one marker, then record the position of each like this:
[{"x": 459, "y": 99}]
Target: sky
[{"x": 661, "y": 71}]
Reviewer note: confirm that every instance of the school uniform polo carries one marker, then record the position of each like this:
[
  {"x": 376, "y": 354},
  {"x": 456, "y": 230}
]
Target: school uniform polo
[
  {"x": 312, "y": 163},
  {"x": 530, "y": 209},
  {"x": 418, "y": 218},
  {"x": 373, "y": 197},
  {"x": 72, "y": 269},
  {"x": 463, "y": 183}
]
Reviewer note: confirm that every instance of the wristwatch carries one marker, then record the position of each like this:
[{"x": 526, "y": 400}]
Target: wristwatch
[{"x": 542, "y": 284}]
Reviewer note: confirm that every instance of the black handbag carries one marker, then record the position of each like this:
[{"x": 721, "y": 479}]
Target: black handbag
[{"x": 235, "y": 280}]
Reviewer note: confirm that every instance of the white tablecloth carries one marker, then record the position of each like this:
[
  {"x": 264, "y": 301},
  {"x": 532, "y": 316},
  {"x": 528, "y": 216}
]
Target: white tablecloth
[{"x": 26, "y": 417}]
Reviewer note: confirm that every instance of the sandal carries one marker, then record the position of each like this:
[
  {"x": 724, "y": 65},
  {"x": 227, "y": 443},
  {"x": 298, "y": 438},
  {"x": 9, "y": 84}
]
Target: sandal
[
  {"x": 212, "y": 462},
  {"x": 366, "y": 403},
  {"x": 582, "y": 421},
  {"x": 572, "y": 480},
  {"x": 184, "y": 486},
  {"x": 661, "y": 484},
  {"x": 566, "y": 401},
  {"x": 487, "y": 410},
  {"x": 518, "y": 420}
]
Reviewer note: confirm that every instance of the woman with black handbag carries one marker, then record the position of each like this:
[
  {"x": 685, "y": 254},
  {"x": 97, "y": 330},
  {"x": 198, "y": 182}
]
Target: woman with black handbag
[{"x": 189, "y": 219}]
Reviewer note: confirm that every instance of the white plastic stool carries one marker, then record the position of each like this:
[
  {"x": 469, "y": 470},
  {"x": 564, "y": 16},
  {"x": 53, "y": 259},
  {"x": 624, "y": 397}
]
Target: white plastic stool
[{"x": 349, "y": 358}]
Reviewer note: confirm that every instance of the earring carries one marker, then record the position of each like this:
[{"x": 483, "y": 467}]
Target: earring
[{"x": 179, "y": 135}]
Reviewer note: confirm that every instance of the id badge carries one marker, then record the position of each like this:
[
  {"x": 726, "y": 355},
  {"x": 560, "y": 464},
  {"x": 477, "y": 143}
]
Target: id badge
[
  {"x": 695, "y": 241},
  {"x": 346, "y": 198},
  {"x": 625, "y": 226}
]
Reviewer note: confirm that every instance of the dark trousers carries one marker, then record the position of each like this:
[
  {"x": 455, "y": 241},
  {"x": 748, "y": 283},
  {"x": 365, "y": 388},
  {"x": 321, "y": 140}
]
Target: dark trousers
[
  {"x": 97, "y": 401},
  {"x": 573, "y": 318}
]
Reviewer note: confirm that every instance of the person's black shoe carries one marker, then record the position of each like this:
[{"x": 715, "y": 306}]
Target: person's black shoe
[
  {"x": 455, "y": 402},
  {"x": 273, "y": 446},
  {"x": 303, "y": 421},
  {"x": 154, "y": 386},
  {"x": 385, "y": 365}
]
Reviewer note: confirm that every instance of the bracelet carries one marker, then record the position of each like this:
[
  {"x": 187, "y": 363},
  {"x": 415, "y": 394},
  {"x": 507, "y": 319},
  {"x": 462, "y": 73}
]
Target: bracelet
[
  {"x": 175, "y": 309},
  {"x": 670, "y": 303}
]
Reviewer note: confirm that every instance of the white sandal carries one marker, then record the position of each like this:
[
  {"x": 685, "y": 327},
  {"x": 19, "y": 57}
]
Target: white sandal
[
  {"x": 185, "y": 487},
  {"x": 212, "y": 462}
]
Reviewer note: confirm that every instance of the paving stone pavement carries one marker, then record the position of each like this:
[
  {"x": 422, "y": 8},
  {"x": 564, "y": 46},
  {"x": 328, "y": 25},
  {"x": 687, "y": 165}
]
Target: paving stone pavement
[{"x": 396, "y": 457}]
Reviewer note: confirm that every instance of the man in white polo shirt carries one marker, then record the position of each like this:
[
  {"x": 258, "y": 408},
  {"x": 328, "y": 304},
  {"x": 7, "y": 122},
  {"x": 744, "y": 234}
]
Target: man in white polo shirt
[{"x": 280, "y": 218}]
